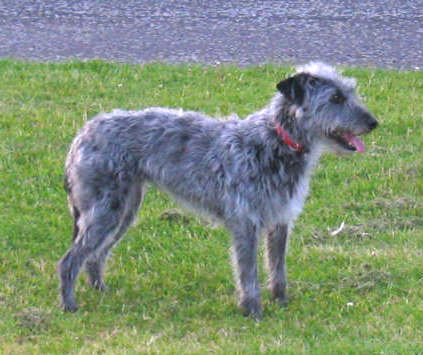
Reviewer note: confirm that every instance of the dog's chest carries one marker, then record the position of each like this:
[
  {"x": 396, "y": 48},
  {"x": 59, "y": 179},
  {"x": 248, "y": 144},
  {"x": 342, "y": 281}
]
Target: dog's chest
[
  {"x": 296, "y": 199},
  {"x": 287, "y": 202}
]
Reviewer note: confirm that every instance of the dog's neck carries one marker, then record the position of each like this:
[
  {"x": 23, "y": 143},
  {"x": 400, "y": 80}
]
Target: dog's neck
[
  {"x": 286, "y": 126},
  {"x": 286, "y": 138},
  {"x": 290, "y": 116}
]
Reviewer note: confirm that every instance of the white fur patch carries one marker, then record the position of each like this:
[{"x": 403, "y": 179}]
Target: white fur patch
[
  {"x": 326, "y": 71},
  {"x": 296, "y": 203},
  {"x": 299, "y": 113}
]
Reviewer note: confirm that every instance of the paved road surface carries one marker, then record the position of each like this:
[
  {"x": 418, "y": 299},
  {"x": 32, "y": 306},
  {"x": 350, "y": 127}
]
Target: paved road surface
[{"x": 386, "y": 33}]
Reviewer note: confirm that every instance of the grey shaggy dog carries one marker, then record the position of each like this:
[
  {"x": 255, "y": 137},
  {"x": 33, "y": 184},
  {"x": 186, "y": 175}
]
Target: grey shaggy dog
[{"x": 252, "y": 175}]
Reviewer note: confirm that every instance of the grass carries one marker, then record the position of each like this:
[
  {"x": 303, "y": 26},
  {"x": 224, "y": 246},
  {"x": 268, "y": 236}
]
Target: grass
[{"x": 171, "y": 290}]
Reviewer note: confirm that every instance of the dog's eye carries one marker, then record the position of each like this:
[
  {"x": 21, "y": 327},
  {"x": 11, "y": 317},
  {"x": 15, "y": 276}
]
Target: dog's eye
[{"x": 337, "y": 98}]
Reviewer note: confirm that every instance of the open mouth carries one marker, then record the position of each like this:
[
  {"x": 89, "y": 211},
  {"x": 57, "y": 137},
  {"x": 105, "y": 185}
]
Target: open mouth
[{"x": 348, "y": 141}]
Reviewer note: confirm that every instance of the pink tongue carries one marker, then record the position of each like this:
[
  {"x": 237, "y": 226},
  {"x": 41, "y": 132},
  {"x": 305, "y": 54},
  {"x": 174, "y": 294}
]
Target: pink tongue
[{"x": 355, "y": 141}]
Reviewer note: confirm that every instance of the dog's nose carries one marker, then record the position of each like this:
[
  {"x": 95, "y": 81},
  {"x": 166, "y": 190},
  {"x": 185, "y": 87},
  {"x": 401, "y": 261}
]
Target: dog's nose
[{"x": 373, "y": 123}]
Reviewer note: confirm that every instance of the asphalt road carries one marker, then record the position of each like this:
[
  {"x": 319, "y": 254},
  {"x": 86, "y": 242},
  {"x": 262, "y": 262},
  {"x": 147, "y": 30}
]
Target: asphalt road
[{"x": 386, "y": 33}]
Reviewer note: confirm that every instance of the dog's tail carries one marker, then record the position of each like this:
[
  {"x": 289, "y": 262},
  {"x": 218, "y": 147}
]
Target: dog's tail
[
  {"x": 76, "y": 215},
  {"x": 74, "y": 211}
]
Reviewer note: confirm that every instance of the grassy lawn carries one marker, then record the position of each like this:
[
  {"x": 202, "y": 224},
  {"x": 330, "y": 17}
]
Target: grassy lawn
[{"x": 171, "y": 290}]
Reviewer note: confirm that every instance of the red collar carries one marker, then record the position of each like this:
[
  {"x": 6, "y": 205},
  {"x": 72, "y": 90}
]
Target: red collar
[{"x": 287, "y": 139}]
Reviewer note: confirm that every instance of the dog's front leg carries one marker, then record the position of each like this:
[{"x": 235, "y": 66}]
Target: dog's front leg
[
  {"x": 244, "y": 258},
  {"x": 276, "y": 241}
]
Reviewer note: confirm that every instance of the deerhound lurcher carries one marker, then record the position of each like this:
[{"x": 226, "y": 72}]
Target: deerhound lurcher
[{"x": 252, "y": 175}]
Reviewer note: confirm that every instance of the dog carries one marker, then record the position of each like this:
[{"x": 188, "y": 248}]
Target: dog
[{"x": 251, "y": 175}]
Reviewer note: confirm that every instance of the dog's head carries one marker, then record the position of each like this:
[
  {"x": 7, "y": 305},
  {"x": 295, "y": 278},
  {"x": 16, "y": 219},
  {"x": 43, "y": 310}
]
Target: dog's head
[{"x": 323, "y": 105}]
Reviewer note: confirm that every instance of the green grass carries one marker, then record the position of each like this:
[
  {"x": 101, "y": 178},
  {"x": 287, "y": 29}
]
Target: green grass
[{"x": 171, "y": 290}]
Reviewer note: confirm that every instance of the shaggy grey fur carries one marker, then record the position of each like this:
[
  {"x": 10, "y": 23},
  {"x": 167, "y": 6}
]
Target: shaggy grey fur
[{"x": 239, "y": 172}]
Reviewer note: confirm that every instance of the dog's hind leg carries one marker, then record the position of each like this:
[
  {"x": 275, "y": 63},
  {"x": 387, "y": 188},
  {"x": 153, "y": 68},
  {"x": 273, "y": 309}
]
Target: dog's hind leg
[
  {"x": 244, "y": 259},
  {"x": 96, "y": 225},
  {"x": 96, "y": 262},
  {"x": 276, "y": 241}
]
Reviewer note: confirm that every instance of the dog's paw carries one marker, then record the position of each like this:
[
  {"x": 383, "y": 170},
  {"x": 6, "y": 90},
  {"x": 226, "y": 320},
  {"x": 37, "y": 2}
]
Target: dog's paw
[
  {"x": 251, "y": 307},
  {"x": 70, "y": 307},
  {"x": 99, "y": 285},
  {"x": 281, "y": 301},
  {"x": 278, "y": 294}
]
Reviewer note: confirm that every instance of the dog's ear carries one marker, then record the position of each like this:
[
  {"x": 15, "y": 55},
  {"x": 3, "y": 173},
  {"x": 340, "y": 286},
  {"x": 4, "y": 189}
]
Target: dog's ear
[{"x": 293, "y": 88}]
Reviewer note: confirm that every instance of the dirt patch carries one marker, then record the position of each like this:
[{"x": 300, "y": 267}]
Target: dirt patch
[
  {"x": 358, "y": 232},
  {"x": 367, "y": 230},
  {"x": 175, "y": 215},
  {"x": 403, "y": 202},
  {"x": 367, "y": 278},
  {"x": 33, "y": 319},
  {"x": 364, "y": 280},
  {"x": 397, "y": 203}
]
